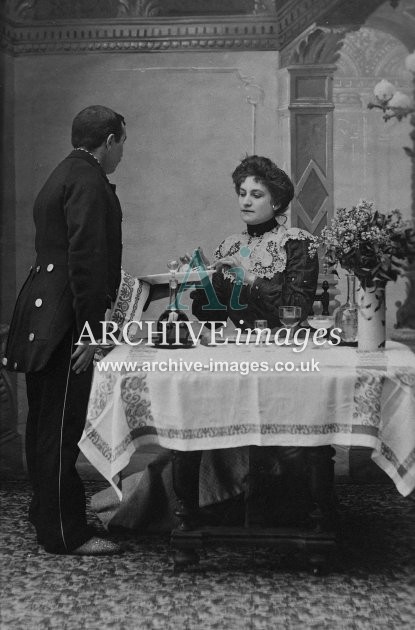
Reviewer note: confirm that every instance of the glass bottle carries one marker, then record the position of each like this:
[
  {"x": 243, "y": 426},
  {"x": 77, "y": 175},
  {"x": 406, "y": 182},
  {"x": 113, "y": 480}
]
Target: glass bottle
[
  {"x": 345, "y": 317},
  {"x": 173, "y": 332}
]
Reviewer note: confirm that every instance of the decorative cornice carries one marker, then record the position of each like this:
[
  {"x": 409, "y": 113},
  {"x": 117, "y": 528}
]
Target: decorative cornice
[
  {"x": 64, "y": 26},
  {"x": 141, "y": 35}
]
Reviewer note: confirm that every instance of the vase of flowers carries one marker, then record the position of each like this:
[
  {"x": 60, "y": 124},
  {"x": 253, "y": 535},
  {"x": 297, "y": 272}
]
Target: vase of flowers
[{"x": 375, "y": 247}]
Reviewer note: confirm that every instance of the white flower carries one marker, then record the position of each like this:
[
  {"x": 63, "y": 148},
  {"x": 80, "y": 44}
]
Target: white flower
[
  {"x": 410, "y": 62},
  {"x": 399, "y": 99},
  {"x": 384, "y": 90}
]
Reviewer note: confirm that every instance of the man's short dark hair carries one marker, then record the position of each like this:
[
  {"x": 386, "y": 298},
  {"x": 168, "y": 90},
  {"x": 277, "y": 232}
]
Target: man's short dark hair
[
  {"x": 263, "y": 170},
  {"x": 92, "y": 126}
]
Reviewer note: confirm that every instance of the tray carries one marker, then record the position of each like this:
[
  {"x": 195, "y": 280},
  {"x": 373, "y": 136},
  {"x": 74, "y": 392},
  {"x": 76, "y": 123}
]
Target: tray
[{"x": 164, "y": 278}]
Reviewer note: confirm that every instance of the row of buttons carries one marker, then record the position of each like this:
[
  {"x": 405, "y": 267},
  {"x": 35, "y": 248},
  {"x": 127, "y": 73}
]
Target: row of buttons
[
  {"x": 31, "y": 336},
  {"x": 4, "y": 362},
  {"x": 49, "y": 268},
  {"x": 38, "y": 303}
]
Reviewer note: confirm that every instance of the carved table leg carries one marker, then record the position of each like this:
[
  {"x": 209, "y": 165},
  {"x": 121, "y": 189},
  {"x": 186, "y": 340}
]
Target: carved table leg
[
  {"x": 186, "y": 486},
  {"x": 321, "y": 482}
]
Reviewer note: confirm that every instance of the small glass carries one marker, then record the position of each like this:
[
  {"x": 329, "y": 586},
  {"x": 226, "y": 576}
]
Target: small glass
[
  {"x": 261, "y": 324},
  {"x": 289, "y": 317},
  {"x": 318, "y": 322},
  {"x": 321, "y": 321}
]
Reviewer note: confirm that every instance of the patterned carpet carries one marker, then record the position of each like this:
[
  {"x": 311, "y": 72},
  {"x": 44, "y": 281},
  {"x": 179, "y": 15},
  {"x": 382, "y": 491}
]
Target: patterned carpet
[{"x": 371, "y": 585}]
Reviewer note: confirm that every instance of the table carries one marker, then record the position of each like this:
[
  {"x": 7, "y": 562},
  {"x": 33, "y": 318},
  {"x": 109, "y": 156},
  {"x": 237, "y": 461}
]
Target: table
[{"x": 187, "y": 401}]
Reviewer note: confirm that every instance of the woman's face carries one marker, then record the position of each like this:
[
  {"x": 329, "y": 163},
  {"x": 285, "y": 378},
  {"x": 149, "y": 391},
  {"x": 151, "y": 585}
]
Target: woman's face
[{"x": 255, "y": 202}]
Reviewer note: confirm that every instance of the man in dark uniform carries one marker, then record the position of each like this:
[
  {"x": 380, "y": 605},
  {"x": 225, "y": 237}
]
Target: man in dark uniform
[{"x": 74, "y": 280}]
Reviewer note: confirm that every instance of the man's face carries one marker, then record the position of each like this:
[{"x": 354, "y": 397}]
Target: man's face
[{"x": 114, "y": 152}]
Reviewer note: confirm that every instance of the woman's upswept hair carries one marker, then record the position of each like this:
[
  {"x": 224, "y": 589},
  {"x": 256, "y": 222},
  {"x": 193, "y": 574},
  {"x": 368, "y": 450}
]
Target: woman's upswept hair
[
  {"x": 267, "y": 173},
  {"x": 92, "y": 126}
]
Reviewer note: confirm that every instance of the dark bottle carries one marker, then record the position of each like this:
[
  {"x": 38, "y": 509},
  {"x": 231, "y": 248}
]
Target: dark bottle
[{"x": 174, "y": 332}]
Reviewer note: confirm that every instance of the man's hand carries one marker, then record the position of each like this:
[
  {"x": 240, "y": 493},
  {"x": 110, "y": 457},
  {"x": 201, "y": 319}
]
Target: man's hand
[
  {"x": 186, "y": 259},
  {"x": 82, "y": 357}
]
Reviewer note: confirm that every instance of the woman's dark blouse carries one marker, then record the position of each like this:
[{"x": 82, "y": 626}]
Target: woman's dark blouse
[{"x": 286, "y": 269}]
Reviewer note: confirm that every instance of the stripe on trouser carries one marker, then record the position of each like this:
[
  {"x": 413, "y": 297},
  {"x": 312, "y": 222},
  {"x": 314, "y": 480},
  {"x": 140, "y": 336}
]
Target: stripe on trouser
[{"x": 61, "y": 440}]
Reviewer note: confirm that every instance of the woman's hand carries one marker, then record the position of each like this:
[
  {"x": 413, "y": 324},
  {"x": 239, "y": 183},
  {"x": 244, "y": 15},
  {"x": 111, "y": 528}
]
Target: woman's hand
[
  {"x": 238, "y": 261},
  {"x": 83, "y": 356}
]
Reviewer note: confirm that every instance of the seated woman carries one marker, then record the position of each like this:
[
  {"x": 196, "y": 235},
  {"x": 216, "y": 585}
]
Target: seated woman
[{"x": 279, "y": 268}]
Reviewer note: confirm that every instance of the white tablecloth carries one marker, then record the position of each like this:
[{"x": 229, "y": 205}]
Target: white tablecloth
[{"x": 365, "y": 399}]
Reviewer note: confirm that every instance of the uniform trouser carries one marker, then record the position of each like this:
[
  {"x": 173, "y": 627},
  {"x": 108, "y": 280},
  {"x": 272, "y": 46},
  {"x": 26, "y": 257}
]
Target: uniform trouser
[{"x": 58, "y": 400}]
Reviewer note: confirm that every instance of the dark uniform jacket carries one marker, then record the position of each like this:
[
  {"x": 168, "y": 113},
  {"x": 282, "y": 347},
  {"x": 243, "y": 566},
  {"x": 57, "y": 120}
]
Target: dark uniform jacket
[{"x": 78, "y": 264}]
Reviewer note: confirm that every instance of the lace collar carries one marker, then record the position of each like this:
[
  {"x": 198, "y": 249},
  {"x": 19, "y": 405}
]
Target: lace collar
[{"x": 267, "y": 254}]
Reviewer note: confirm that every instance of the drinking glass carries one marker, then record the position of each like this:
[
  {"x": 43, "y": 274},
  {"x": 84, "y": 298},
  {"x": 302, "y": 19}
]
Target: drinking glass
[
  {"x": 318, "y": 322},
  {"x": 261, "y": 324},
  {"x": 321, "y": 321},
  {"x": 289, "y": 316}
]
